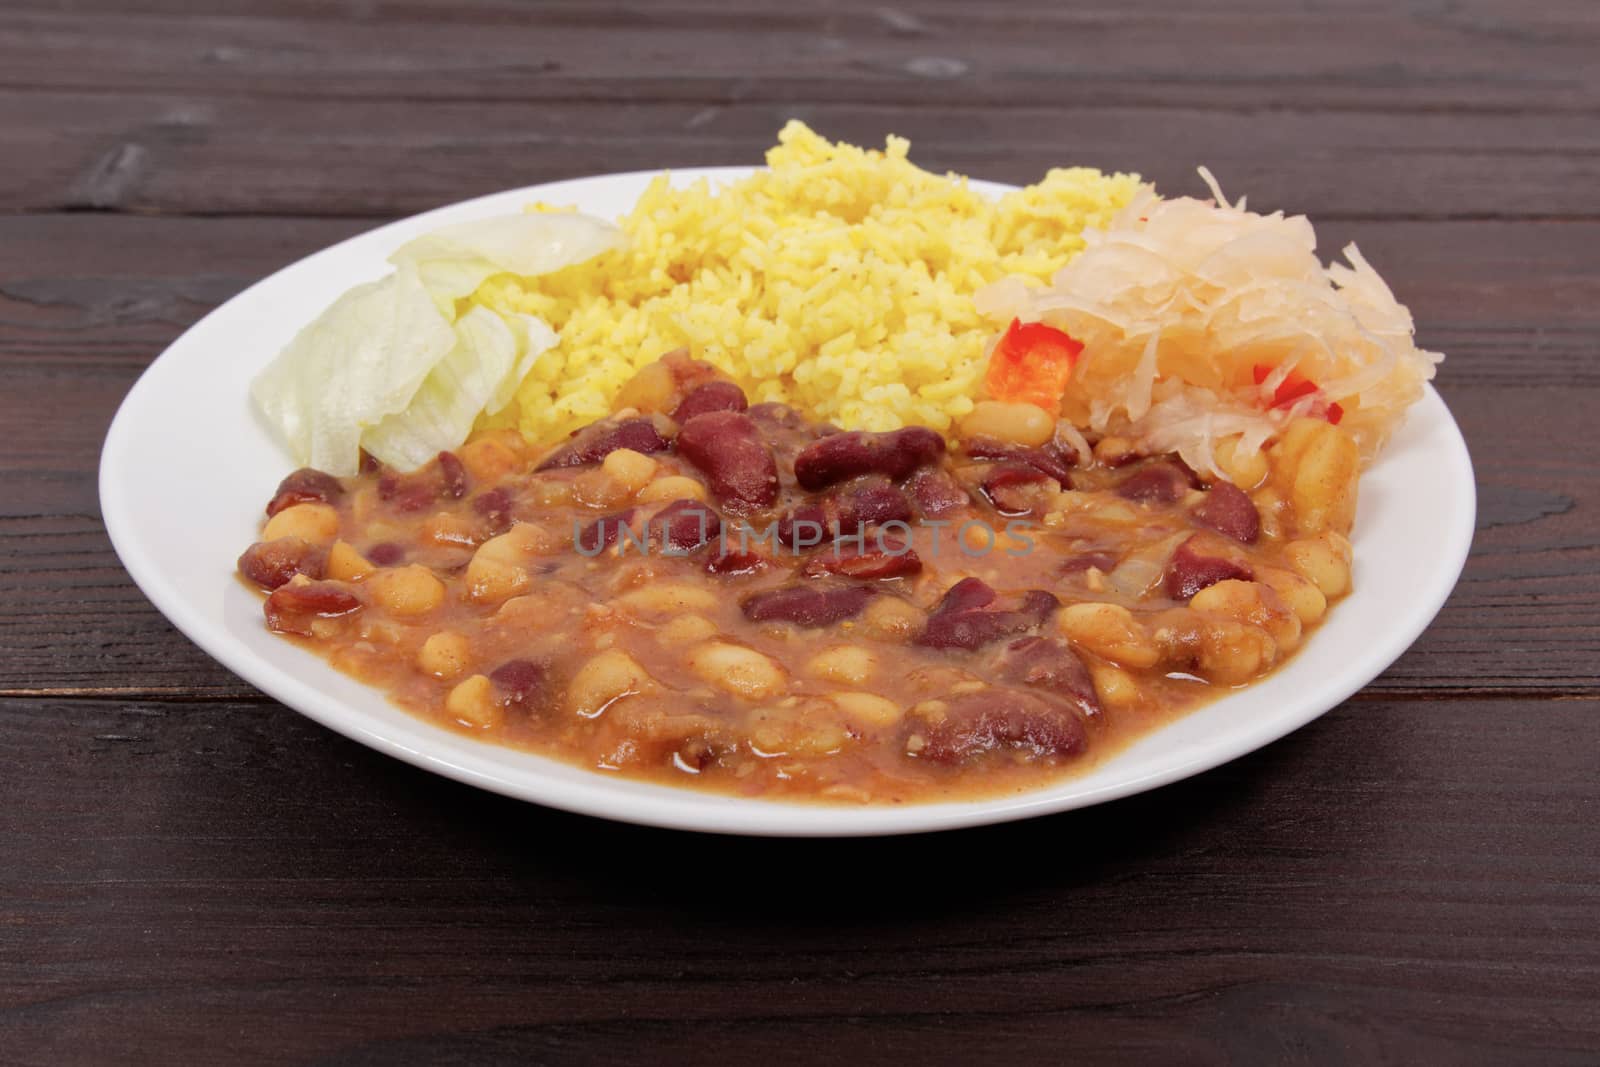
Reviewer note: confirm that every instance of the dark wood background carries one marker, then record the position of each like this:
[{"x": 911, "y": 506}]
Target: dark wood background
[{"x": 190, "y": 872}]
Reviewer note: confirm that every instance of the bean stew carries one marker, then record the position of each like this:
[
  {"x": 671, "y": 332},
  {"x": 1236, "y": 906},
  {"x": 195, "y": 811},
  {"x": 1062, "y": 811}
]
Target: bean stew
[{"x": 701, "y": 590}]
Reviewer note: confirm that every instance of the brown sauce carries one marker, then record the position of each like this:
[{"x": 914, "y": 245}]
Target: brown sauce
[{"x": 732, "y": 598}]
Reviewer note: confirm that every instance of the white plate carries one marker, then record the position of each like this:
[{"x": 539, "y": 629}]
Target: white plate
[{"x": 187, "y": 466}]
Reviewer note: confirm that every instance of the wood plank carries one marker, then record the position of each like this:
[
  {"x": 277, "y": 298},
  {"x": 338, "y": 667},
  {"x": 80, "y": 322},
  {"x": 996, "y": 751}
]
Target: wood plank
[
  {"x": 190, "y": 866},
  {"x": 1373, "y": 56},
  {"x": 210, "y": 154},
  {"x": 87, "y": 301},
  {"x": 1512, "y": 303},
  {"x": 93, "y": 289},
  {"x": 250, "y": 867}
]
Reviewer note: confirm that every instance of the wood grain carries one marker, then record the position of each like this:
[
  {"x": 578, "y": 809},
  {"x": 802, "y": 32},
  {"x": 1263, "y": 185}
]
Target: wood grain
[
  {"x": 152, "y": 108},
  {"x": 1359, "y": 889},
  {"x": 193, "y": 873},
  {"x": 1370, "y": 55},
  {"x": 190, "y": 153}
]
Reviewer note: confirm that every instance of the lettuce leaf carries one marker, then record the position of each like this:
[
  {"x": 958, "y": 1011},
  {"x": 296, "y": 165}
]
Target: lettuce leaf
[
  {"x": 361, "y": 360},
  {"x": 388, "y": 367},
  {"x": 491, "y": 356},
  {"x": 540, "y": 339},
  {"x": 454, "y": 260}
]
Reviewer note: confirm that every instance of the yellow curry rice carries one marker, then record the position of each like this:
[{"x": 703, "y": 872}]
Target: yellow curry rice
[{"x": 839, "y": 280}]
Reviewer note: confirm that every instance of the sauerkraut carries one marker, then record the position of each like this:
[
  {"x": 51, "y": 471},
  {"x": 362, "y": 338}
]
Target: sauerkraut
[{"x": 1202, "y": 321}]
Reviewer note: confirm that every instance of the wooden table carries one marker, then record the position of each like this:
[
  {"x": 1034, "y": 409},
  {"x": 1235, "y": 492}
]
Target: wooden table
[{"x": 192, "y": 873}]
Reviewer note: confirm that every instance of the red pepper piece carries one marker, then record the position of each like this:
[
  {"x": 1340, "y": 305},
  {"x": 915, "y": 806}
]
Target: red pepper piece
[{"x": 1032, "y": 364}]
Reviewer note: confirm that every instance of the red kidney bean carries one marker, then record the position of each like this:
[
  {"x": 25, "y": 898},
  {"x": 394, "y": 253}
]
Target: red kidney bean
[
  {"x": 1013, "y": 488},
  {"x": 305, "y": 486},
  {"x": 1052, "y": 666},
  {"x": 872, "y": 564},
  {"x": 840, "y": 456},
  {"x": 842, "y": 514},
  {"x": 495, "y": 507},
  {"x": 1162, "y": 481},
  {"x": 990, "y": 448},
  {"x": 414, "y": 492},
  {"x": 406, "y": 492},
  {"x": 1039, "y": 604},
  {"x": 271, "y": 563},
  {"x": 520, "y": 681},
  {"x": 594, "y": 443},
  {"x": 806, "y": 605},
  {"x": 291, "y": 609},
  {"x": 1002, "y": 719},
  {"x": 971, "y": 629},
  {"x": 739, "y": 467},
  {"x": 1052, "y": 458},
  {"x": 1229, "y": 510},
  {"x": 386, "y": 553},
  {"x": 869, "y": 505},
  {"x": 968, "y": 594},
  {"x": 414, "y": 498},
  {"x": 712, "y": 396},
  {"x": 960, "y": 621},
  {"x": 603, "y": 532},
  {"x": 453, "y": 474},
  {"x": 685, "y": 525},
  {"x": 736, "y": 563},
  {"x": 1192, "y": 569},
  {"x": 936, "y": 493},
  {"x": 809, "y": 524}
]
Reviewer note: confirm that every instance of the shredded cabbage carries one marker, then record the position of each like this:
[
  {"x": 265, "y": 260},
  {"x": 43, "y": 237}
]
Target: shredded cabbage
[
  {"x": 395, "y": 366},
  {"x": 1179, "y": 302}
]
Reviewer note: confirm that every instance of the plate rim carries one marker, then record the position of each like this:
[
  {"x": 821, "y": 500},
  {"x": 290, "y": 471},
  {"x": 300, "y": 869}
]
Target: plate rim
[{"x": 670, "y": 807}]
